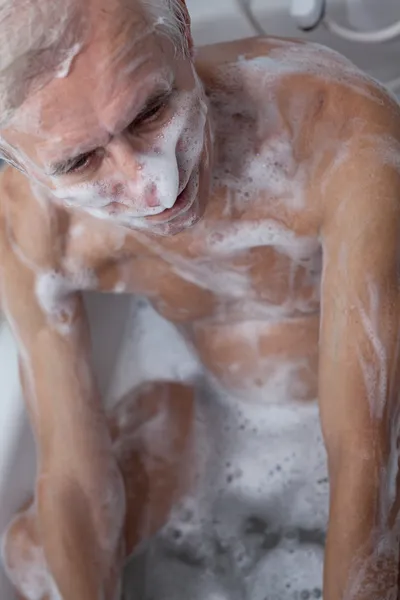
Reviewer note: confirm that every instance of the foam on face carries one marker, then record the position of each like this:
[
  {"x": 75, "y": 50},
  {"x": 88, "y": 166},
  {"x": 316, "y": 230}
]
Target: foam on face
[
  {"x": 158, "y": 174},
  {"x": 65, "y": 66},
  {"x": 150, "y": 180},
  {"x": 161, "y": 173}
]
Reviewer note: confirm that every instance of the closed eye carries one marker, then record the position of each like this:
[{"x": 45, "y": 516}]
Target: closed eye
[
  {"x": 149, "y": 115},
  {"x": 80, "y": 163},
  {"x": 152, "y": 112}
]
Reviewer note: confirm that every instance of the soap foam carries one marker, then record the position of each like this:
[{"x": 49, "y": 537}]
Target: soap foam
[
  {"x": 256, "y": 156},
  {"x": 254, "y": 523},
  {"x": 291, "y": 58},
  {"x": 65, "y": 66},
  {"x": 257, "y": 519},
  {"x": 162, "y": 172},
  {"x": 29, "y": 574},
  {"x": 53, "y": 292}
]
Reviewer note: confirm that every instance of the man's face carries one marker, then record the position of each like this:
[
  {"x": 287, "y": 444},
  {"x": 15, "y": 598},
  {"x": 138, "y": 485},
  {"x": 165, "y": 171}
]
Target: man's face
[{"x": 125, "y": 135}]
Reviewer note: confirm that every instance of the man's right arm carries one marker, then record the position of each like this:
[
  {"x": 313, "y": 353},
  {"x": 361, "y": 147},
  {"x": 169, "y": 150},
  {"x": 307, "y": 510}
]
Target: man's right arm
[{"x": 80, "y": 498}]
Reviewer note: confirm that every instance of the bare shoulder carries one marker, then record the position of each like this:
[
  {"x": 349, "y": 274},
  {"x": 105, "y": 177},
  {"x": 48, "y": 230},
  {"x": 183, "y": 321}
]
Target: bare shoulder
[
  {"x": 293, "y": 71},
  {"x": 12, "y": 187},
  {"x": 281, "y": 57},
  {"x": 32, "y": 228},
  {"x": 228, "y": 52},
  {"x": 361, "y": 181},
  {"x": 337, "y": 122},
  {"x": 11, "y": 181}
]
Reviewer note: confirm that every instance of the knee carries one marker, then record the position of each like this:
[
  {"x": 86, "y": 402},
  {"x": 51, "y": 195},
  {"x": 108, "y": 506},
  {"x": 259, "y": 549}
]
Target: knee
[
  {"x": 151, "y": 430},
  {"x": 174, "y": 401},
  {"x": 23, "y": 557},
  {"x": 171, "y": 404}
]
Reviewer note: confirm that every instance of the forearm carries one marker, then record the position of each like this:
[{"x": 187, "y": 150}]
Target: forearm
[
  {"x": 81, "y": 528},
  {"x": 80, "y": 496},
  {"x": 81, "y": 512},
  {"x": 362, "y": 557},
  {"x": 69, "y": 539},
  {"x": 80, "y": 493}
]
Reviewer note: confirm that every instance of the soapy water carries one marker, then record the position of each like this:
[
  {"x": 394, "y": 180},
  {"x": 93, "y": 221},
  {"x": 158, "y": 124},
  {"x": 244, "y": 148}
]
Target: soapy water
[{"x": 254, "y": 524}]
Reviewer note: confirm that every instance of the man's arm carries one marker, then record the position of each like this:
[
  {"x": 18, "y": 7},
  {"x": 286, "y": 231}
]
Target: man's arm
[
  {"x": 79, "y": 493},
  {"x": 359, "y": 374}
]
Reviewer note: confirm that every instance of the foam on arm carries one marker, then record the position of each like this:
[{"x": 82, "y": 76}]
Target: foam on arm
[
  {"x": 360, "y": 375},
  {"x": 79, "y": 493}
]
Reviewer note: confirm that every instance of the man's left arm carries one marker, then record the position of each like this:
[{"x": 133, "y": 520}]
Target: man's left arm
[{"x": 359, "y": 376}]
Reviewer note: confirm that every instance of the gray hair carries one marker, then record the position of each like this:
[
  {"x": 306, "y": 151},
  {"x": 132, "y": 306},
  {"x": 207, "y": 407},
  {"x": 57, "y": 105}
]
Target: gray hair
[
  {"x": 174, "y": 20},
  {"x": 38, "y": 37}
]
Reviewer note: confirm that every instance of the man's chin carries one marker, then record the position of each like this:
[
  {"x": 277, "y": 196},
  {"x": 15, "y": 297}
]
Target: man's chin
[
  {"x": 177, "y": 225},
  {"x": 171, "y": 227}
]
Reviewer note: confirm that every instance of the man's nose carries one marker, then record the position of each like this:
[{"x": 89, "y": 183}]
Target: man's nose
[
  {"x": 129, "y": 164},
  {"x": 126, "y": 159}
]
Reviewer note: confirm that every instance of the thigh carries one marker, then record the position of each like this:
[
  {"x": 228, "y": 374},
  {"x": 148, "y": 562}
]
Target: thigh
[{"x": 152, "y": 433}]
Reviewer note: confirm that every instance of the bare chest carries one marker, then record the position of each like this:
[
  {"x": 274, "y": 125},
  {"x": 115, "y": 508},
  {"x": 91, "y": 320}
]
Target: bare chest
[
  {"x": 255, "y": 253},
  {"x": 229, "y": 265}
]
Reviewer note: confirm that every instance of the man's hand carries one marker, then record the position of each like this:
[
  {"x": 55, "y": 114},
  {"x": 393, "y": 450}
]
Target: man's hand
[{"x": 359, "y": 363}]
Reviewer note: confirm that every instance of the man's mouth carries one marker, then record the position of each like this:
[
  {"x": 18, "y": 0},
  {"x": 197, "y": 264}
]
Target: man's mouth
[{"x": 183, "y": 202}]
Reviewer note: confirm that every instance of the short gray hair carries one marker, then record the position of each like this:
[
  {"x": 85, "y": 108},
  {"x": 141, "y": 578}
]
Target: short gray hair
[
  {"x": 36, "y": 37},
  {"x": 39, "y": 36},
  {"x": 175, "y": 20}
]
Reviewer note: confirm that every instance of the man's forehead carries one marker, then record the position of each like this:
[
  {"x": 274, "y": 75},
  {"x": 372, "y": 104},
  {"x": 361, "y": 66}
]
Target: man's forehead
[
  {"x": 83, "y": 126},
  {"x": 72, "y": 104},
  {"x": 118, "y": 40},
  {"x": 108, "y": 77}
]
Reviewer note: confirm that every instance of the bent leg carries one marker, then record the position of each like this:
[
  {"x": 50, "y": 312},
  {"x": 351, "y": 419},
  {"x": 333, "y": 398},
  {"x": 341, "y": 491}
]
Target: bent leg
[
  {"x": 24, "y": 559},
  {"x": 151, "y": 430}
]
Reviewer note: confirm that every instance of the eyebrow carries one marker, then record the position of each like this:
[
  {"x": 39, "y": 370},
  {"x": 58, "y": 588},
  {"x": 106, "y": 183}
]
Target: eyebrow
[
  {"x": 160, "y": 94},
  {"x": 152, "y": 101}
]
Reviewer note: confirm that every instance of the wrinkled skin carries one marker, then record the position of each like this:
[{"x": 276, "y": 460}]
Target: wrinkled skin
[{"x": 282, "y": 260}]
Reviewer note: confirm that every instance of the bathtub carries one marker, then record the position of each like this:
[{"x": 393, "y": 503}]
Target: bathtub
[{"x": 116, "y": 319}]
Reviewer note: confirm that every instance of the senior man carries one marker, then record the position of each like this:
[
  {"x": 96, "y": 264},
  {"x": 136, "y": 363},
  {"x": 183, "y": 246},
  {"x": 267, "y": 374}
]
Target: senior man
[{"x": 251, "y": 191}]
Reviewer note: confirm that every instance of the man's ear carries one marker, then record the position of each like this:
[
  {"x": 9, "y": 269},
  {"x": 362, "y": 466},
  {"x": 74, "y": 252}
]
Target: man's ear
[{"x": 187, "y": 26}]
